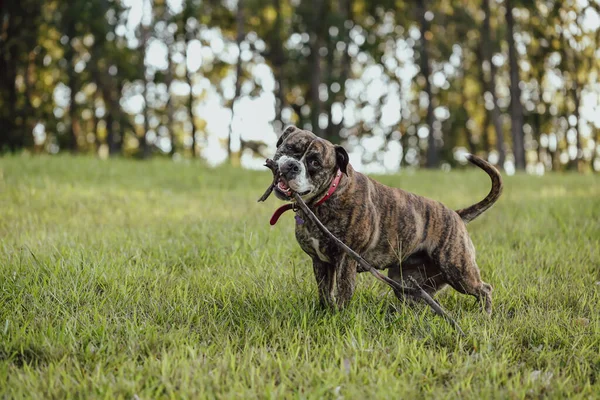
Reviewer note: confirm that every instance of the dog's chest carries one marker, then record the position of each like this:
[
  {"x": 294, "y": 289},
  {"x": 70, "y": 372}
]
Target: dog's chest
[
  {"x": 313, "y": 241},
  {"x": 365, "y": 238}
]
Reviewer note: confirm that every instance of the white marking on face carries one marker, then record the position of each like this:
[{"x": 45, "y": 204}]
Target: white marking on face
[
  {"x": 322, "y": 257},
  {"x": 300, "y": 183},
  {"x": 282, "y": 160}
]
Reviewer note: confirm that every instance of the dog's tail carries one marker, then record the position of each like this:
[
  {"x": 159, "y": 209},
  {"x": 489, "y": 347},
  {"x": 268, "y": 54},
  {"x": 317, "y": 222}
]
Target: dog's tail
[{"x": 468, "y": 214}]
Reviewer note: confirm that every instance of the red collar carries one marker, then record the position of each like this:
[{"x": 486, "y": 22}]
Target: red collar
[{"x": 332, "y": 188}]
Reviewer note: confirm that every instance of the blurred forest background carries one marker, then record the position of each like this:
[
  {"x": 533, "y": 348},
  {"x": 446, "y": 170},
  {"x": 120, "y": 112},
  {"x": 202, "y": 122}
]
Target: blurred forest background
[{"x": 399, "y": 83}]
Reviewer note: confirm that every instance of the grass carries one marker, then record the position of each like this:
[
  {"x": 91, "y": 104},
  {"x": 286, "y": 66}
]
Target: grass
[{"x": 164, "y": 280}]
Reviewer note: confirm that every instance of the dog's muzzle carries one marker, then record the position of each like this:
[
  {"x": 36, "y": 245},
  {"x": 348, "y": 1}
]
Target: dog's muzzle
[{"x": 290, "y": 169}]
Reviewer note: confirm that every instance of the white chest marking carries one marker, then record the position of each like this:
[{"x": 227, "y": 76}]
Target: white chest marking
[{"x": 315, "y": 244}]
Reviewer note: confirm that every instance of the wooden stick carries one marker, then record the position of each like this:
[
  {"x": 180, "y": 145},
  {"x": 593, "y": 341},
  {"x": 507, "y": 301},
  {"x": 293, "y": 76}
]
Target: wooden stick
[
  {"x": 399, "y": 290},
  {"x": 272, "y": 165}
]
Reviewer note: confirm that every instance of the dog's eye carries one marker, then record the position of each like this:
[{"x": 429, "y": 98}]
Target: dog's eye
[{"x": 315, "y": 163}]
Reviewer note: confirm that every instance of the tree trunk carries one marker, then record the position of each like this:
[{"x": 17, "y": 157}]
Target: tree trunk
[
  {"x": 95, "y": 125},
  {"x": 469, "y": 135},
  {"x": 74, "y": 128},
  {"x": 170, "y": 108},
  {"x": 9, "y": 135},
  {"x": 404, "y": 143},
  {"x": 315, "y": 60},
  {"x": 572, "y": 90},
  {"x": 122, "y": 120},
  {"x": 107, "y": 87},
  {"x": 537, "y": 134},
  {"x": 7, "y": 80},
  {"x": 16, "y": 54},
  {"x": 334, "y": 129},
  {"x": 516, "y": 109},
  {"x": 144, "y": 145},
  {"x": 110, "y": 130},
  {"x": 490, "y": 82},
  {"x": 577, "y": 102},
  {"x": 190, "y": 101},
  {"x": 8, "y": 93},
  {"x": 111, "y": 103},
  {"x": 329, "y": 78},
  {"x": 238, "y": 72},
  {"x": 597, "y": 155},
  {"x": 30, "y": 117},
  {"x": 485, "y": 135},
  {"x": 432, "y": 150},
  {"x": 279, "y": 62}
]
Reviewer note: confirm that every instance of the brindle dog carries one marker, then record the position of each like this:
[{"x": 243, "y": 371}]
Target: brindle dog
[{"x": 392, "y": 229}]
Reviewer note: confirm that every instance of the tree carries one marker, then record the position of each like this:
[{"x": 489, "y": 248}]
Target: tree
[
  {"x": 188, "y": 28},
  {"x": 16, "y": 47},
  {"x": 72, "y": 79},
  {"x": 516, "y": 108},
  {"x": 338, "y": 72},
  {"x": 238, "y": 69},
  {"x": 71, "y": 14},
  {"x": 424, "y": 18},
  {"x": 145, "y": 36},
  {"x": 490, "y": 81},
  {"x": 278, "y": 60},
  {"x": 316, "y": 43}
]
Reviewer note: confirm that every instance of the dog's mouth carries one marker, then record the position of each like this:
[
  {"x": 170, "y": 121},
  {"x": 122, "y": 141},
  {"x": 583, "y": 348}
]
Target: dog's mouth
[
  {"x": 283, "y": 188},
  {"x": 284, "y": 192}
]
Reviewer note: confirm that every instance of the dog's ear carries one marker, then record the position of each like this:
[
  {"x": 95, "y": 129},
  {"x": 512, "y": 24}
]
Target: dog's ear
[
  {"x": 286, "y": 132},
  {"x": 341, "y": 158}
]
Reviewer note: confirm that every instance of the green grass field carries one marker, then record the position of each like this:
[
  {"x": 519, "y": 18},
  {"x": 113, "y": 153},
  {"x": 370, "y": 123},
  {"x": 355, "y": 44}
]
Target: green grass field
[{"x": 165, "y": 280}]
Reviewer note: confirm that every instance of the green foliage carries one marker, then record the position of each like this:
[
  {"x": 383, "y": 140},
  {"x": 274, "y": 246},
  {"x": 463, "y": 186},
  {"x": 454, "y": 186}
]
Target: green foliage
[
  {"x": 133, "y": 282},
  {"x": 94, "y": 50}
]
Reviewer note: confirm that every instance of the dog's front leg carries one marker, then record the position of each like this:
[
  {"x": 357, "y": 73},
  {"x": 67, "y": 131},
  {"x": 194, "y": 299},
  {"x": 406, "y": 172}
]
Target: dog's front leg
[
  {"x": 345, "y": 279},
  {"x": 335, "y": 283},
  {"x": 325, "y": 276}
]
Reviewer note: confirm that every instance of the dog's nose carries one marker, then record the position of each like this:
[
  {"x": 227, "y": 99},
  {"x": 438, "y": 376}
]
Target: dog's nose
[{"x": 290, "y": 169}]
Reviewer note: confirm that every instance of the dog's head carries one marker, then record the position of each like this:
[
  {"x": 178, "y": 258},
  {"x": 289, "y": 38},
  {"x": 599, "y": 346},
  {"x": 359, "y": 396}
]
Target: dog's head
[{"x": 307, "y": 163}]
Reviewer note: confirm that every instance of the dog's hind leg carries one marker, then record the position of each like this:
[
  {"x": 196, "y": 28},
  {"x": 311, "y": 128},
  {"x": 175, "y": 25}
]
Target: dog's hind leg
[
  {"x": 455, "y": 257},
  {"x": 420, "y": 267},
  {"x": 395, "y": 272},
  {"x": 466, "y": 279}
]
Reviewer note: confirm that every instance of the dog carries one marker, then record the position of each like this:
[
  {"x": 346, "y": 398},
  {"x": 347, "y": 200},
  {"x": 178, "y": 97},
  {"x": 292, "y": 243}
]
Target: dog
[{"x": 409, "y": 235}]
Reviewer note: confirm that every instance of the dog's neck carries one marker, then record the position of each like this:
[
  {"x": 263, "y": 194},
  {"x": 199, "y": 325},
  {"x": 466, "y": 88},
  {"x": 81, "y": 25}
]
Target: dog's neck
[{"x": 341, "y": 187}]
